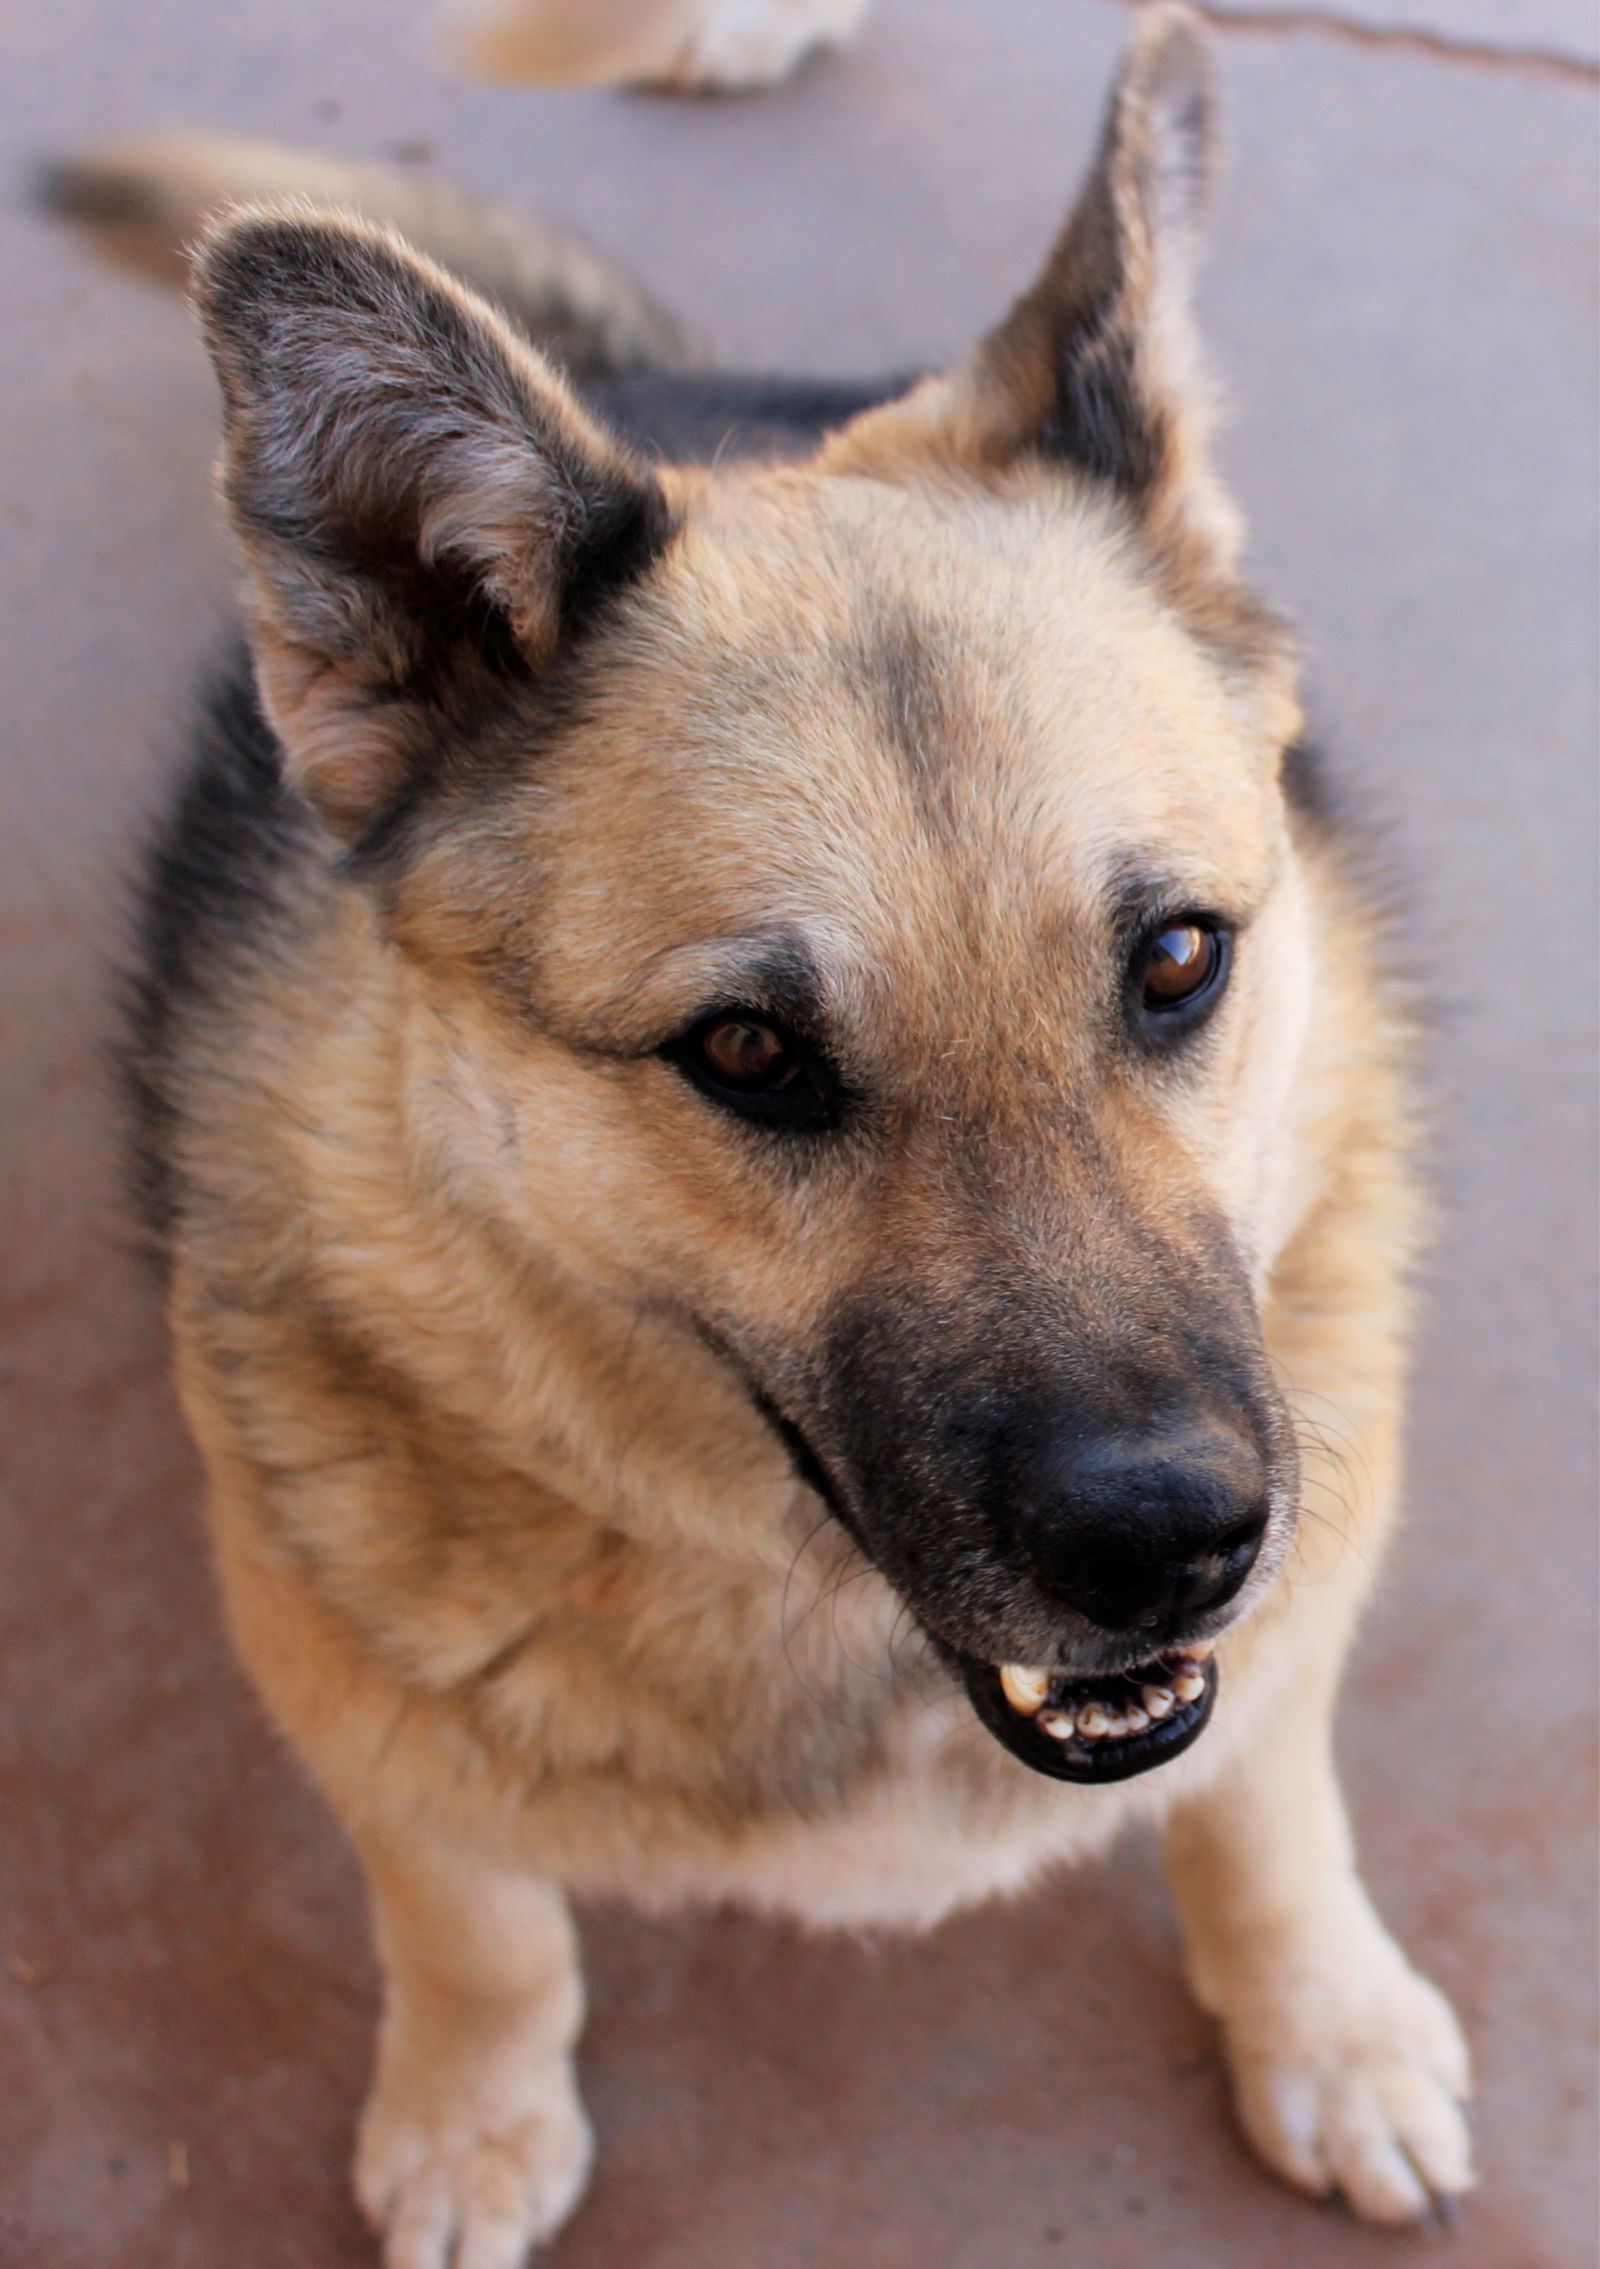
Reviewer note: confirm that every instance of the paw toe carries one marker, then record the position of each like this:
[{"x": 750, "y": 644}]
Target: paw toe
[
  {"x": 1369, "y": 2164},
  {"x": 454, "y": 2199},
  {"x": 419, "y": 2219},
  {"x": 1389, "y": 2138}
]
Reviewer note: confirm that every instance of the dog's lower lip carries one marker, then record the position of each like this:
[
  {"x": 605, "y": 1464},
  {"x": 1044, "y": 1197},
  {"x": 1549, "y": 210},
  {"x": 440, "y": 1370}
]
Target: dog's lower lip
[{"x": 1104, "y": 1754}]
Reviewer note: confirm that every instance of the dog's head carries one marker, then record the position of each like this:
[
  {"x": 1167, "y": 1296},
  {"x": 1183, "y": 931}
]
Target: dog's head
[{"x": 859, "y": 895}]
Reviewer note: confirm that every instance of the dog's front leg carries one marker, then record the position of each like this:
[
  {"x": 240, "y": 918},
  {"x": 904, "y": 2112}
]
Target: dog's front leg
[
  {"x": 474, "y": 2144},
  {"x": 1349, "y": 2069}
]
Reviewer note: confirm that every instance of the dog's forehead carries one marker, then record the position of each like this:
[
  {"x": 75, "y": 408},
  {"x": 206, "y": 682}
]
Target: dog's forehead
[
  {"x": 994, "y": 654},
  {"x": 898, "y": 712}
]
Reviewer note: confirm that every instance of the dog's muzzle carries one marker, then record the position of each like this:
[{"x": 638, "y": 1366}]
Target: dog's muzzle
[{"x": 1095, "y": 1728}]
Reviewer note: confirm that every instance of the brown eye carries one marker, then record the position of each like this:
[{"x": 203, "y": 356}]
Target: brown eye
[
  {"x": 761, "y": 1071},
  {"x": 751, "y": 1057},
  {"x": 1179, "y": 965}
]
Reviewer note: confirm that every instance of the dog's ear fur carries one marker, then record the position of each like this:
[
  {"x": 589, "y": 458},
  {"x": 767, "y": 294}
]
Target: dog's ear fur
[
  {"x": 1096, "y": 366},
  {"x": 425, "y": 509}
]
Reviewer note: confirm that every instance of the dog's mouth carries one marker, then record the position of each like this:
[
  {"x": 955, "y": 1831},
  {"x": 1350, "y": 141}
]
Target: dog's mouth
[
  {"x": 1095, "y": 1729},
  {"x": 1105, "y": 1728}
]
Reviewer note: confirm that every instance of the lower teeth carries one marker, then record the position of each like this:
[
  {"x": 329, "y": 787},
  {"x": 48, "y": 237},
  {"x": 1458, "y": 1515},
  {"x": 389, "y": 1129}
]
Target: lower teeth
[{"x": 1027, "y": 1692}]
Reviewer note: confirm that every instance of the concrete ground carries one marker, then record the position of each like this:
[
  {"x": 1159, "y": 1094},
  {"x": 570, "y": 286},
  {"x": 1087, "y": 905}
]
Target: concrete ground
[{"x": 1402, "y": 301}]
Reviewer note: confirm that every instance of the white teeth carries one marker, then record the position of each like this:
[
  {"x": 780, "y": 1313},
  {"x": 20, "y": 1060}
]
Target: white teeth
[
  {"x": 1028, "y": 1691},
  {"x": 1024, "y": 1689}
]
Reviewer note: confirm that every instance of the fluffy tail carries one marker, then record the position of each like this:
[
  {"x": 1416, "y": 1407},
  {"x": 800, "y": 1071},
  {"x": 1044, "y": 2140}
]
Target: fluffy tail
[{"x": 143, "y": 203}]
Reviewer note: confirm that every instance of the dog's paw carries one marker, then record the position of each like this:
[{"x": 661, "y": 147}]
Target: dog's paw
[
  {"x": 683, "y": 46},
  {"x": 459, "y": 2186},
  {"x": 1355, "y": 2087},
  {"x": 738, "y": 45}
]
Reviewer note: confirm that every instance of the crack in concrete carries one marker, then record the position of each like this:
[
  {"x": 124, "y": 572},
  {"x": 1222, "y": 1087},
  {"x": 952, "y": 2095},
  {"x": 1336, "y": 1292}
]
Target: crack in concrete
[{"x": 1414, "y": 39}]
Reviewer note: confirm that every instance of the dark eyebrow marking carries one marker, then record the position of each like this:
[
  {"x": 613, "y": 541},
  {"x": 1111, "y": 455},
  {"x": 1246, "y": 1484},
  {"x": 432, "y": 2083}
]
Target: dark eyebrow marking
[
  {"x": 772, "y": 971},
  {"x": 902, "y": 671},
  {"x": 782, "y": 979},
  {"x": 1140, "y": 896}
]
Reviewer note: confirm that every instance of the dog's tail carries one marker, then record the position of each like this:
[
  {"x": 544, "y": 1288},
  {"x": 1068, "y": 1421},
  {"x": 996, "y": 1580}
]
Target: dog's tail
[{"x": 144, "y": 203}]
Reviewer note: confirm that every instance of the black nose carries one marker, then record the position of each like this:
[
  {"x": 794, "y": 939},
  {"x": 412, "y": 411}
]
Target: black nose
[{"x": 1145, "y": 1534}]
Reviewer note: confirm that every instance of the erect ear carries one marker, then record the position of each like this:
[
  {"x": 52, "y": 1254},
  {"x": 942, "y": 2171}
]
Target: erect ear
[
  {"x": 1096, "y": 366},
  {"x": 426, "y": 511}
]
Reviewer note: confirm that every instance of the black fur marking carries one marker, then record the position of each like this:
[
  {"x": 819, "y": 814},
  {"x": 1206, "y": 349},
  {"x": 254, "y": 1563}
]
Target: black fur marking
[
  {"x": 476, "y": 746},
  {"x": 900, "y": 667},
  {"x": 380, "y": 850},
  {"x": 696, "y": 419},
  {"x": 1308, "y": 787},
  {"x": 624, "y": 527},
  {"x": 780, "y": 978},
  {"x": 1090, "y": 315},
  {"x": 1101, "y": 418},
  {"x": 1100, "y": 421},
  {"x": 807, "y": 1464},
  {"x": 481, "y": 708},
  {"x": 209, "y": 878}
]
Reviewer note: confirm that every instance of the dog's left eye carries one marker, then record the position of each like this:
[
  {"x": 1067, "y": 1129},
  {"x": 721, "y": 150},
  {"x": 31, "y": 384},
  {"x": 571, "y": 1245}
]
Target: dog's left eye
[
  {"x": 759, "y": 1069},
  {"x": 1180, "y": 967}
]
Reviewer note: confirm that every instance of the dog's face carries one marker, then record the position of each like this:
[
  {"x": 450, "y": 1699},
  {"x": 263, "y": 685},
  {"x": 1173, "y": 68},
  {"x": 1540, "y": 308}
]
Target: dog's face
[{"x": 858, "y": 896}]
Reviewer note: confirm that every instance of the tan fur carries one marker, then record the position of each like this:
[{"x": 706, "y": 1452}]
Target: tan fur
[{"x": 517, "y": 1563}]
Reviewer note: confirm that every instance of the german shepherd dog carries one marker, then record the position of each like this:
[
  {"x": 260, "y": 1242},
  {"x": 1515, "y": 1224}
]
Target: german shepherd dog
[{"x": 706, "y": 1027}]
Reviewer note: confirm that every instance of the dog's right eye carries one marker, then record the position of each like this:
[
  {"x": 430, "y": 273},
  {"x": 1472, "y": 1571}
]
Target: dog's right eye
[{"x": 760, "y": 1069}]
